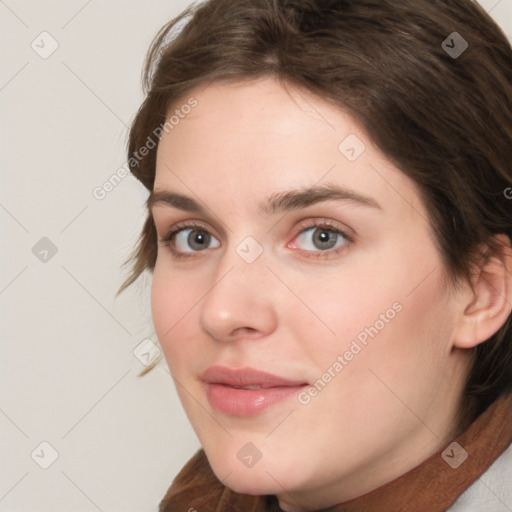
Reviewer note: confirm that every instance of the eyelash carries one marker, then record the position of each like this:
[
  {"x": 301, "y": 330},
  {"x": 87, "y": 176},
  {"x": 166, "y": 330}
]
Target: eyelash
[{"x": 167, "y": 240}]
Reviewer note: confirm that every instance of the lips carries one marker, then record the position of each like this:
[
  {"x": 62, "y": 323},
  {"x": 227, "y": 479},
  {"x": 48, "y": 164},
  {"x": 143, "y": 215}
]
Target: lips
[
  {"x": 246, "y": 391},
  {"x": 245, "y": 377}
]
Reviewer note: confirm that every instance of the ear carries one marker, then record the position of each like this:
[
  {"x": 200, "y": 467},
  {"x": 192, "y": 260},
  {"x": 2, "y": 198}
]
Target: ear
[{"x": 488, "y": 300}]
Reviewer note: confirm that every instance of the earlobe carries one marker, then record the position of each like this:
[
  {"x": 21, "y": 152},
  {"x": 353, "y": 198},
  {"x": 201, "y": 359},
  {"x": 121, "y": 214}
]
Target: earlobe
[{"x": 491, "y": 299}]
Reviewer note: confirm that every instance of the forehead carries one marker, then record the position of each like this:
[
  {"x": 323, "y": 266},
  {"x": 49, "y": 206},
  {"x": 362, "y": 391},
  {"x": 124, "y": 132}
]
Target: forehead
[{"x": 246, "y": 140}]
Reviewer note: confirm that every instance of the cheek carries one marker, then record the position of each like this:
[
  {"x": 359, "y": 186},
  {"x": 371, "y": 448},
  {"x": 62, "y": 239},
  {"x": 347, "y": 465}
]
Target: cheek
[
  {"x": 172, "y": 307},
  {"x": 389, "y": 314},
  {"x": 344, "y": 306},
  {"x": 162, "y": 308}
]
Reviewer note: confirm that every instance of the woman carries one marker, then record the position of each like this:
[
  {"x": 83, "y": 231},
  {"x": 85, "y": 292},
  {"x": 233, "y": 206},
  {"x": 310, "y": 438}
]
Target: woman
[{"x": 329, "y": 233}]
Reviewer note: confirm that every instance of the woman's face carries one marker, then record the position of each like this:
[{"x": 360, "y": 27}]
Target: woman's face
[{"x": 302, "y": 253}]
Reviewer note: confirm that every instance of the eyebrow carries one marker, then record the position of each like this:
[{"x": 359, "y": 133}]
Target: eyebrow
[{"x": 277, "y": 203}]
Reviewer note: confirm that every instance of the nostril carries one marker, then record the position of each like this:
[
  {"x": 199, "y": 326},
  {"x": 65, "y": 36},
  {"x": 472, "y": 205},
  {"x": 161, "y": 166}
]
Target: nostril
[{"x": 244, "y": 331}]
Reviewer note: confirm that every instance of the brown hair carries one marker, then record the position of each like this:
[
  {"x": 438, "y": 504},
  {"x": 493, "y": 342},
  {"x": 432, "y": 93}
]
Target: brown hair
[{"x": 444, "y": 119}]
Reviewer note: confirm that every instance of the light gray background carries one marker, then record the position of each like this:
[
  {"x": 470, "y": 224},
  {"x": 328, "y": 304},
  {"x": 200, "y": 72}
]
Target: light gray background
[{"x": 68, "y": 374}]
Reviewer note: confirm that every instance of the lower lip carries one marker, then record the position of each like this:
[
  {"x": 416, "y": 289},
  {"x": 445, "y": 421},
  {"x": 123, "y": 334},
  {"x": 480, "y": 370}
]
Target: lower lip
[{"x": 248, "y": 402}]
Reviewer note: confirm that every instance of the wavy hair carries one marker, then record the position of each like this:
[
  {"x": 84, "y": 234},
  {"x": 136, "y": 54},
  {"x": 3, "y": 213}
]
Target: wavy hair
[{"x": 443, "y": 119}]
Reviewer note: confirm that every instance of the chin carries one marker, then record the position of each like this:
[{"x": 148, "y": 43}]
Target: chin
[
  {"x": 265, "y": 477},
  {"x": 256, "y": 484}
]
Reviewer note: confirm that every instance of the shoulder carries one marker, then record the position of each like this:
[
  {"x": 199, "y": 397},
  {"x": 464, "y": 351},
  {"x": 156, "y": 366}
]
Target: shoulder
[{"x": 492, "y": 492}]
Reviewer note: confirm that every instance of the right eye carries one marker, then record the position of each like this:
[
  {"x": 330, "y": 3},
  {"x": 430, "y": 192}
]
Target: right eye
[{"x": 185, "y": 240}]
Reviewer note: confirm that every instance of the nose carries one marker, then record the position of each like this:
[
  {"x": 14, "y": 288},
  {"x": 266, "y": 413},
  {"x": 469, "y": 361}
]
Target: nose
[{"x": 239, "y": 303}]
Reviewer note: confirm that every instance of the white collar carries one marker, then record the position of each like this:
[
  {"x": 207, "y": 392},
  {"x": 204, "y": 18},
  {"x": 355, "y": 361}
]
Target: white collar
[{"x": 492, "y": 492}]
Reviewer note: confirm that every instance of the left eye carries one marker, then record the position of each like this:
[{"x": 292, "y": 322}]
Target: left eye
[{"x": 321, "y": 239}]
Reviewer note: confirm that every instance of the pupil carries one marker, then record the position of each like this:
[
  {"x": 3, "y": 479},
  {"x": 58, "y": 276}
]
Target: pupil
[
  {"x": 324, "y": 239},
  {"x": 198, "y": 239}
]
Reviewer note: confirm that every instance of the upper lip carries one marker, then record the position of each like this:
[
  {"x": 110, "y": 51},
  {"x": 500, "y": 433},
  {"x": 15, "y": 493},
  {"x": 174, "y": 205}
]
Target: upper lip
[{"x": 246, "y": 377}]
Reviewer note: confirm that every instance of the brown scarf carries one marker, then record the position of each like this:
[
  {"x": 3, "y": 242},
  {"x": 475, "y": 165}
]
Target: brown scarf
[{"x": 433, "y": 486}]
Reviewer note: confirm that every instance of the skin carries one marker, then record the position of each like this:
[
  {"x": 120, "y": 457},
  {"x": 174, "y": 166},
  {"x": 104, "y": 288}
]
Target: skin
[{"x": 291, "y": 313}]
